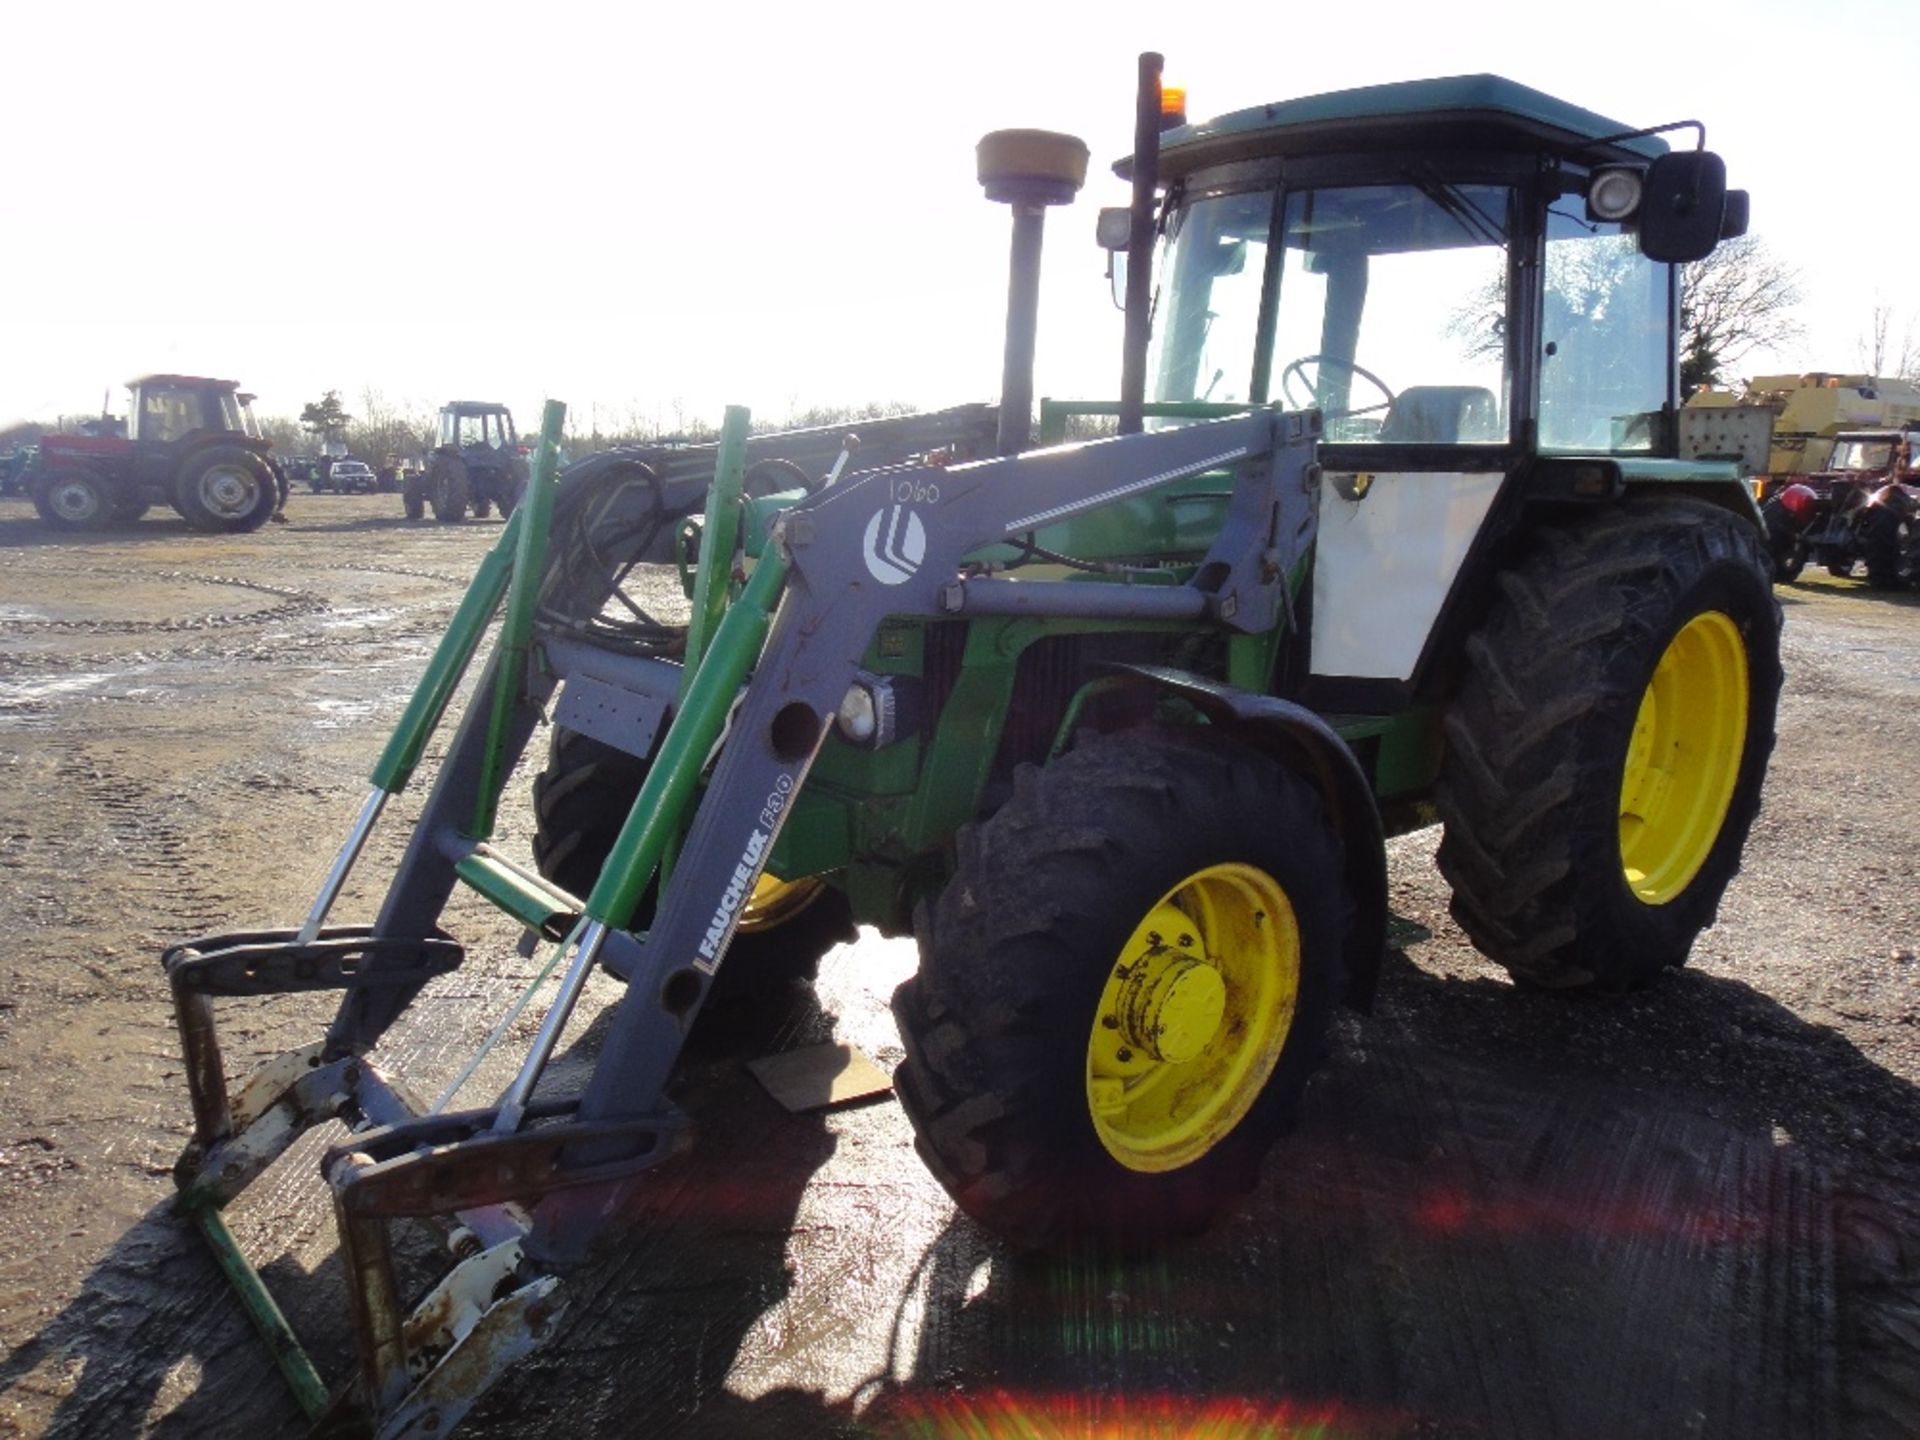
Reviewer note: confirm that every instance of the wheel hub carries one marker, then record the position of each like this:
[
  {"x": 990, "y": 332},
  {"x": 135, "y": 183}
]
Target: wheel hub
[
  {"x": 1193, "y": 1016},
  {"x": 227, "y": 490},
  {"x": 72, "y": 501},
  {"x": 1171, "y": 999}
]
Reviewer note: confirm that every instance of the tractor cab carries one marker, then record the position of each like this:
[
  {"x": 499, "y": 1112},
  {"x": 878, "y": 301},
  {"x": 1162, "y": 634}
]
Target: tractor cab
[
  {"x": 1467, "y": 278},
  {"x": 169, "y": 408},
  {"x": 1441, "y": 263},
  {"x": 468, "y": 425}
]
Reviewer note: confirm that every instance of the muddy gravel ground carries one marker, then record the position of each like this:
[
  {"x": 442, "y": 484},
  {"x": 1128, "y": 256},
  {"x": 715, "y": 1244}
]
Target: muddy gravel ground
[{"x": 1689, "y": 1212}]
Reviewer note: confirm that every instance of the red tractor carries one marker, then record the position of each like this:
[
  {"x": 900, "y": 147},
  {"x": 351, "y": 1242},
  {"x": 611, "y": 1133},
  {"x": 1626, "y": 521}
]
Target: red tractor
[
  {"x": 192, "y": 443},
  {"x": 1865, "y": 506}
]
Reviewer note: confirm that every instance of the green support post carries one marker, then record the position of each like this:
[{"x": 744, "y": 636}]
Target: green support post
[
  {"x": 450, "y": 658},
  {"x": 713, "y": 580},
  {"x": 717, "y": 539},
  {"x": 309, "y": 1390},
  {"x": 657, "y": 816},
  {"x": 516, "y": 631}
]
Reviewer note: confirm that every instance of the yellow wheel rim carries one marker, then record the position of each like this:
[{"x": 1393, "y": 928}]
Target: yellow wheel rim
[
  {"x": 1684, "y": 759},
  {"x": 775, "y": 901},
  {"x": 1193, "y": 1017}
]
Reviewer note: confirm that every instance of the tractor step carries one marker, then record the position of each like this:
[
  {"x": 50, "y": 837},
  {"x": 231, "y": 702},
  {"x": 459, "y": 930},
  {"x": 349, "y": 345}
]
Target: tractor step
[{"x": 534, "y": 901}]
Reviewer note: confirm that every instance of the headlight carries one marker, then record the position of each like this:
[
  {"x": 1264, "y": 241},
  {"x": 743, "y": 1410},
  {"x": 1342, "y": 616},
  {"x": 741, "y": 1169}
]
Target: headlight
[
  {"x": 869, "y": 715},
  {"x": 1613, "y": 194}
]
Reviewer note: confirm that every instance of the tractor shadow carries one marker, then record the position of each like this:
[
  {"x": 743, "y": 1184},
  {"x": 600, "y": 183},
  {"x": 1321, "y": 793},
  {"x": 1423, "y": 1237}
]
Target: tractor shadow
[
  {"x": 1504, "y": 1213},
  {"x": 22, "y": 529},
  {"x": 1801, "y": 592},
  {"x": 381, "y": 522},
  {"x": 156, "y": 1343}
]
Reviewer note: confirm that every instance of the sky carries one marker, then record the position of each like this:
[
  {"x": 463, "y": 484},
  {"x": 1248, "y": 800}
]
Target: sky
[{"x": 651, "y": 211}]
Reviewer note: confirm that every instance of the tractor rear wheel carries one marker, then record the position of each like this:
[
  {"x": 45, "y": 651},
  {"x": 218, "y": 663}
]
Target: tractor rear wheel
[
  {"x": 1606, "y": 749},
  {"x": 1886, "y": 541},
  {"x": 75, "y": 499},
  {"x": 413, "y": 495},
  {"x": 449, "y": 489},
  {"x": 513, "y": 485},
  {"x": 1123, "y": 989},
  {"x": 580, "y": 802},
  {"x": 225, "y": 489}
]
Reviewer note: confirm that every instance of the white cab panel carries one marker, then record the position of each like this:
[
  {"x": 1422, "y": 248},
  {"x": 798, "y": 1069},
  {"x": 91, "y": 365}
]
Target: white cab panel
[{"x": 1385, "y": 562}]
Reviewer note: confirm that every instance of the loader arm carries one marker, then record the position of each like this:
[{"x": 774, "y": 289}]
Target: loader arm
[{"x": 891, "y": 543}]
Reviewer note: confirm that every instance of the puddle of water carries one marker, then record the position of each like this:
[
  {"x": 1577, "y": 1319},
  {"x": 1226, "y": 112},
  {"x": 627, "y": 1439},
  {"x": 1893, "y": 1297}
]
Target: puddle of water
[
  {"x": 22, "y": 612},
  {"x": 338, "y": 714},
  {"x": 346, "y": 619},
  {"x": 38, "y": 689}
]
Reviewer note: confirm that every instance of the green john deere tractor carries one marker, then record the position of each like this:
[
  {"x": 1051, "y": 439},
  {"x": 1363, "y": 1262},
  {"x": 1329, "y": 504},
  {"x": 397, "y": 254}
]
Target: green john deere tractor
[{"x": 1395, "y": 527}]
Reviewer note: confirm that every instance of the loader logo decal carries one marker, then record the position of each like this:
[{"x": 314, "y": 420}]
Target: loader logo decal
[
  {"x": 895, "y": 545},
  {"x": 739, "y": 886}
]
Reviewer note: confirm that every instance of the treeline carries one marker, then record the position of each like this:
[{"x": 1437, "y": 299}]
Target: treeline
[{"x": 377, "y": 430}]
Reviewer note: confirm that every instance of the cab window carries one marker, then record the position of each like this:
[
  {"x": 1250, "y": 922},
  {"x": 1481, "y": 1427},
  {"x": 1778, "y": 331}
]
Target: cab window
[{"x": 1604, "y": 337}]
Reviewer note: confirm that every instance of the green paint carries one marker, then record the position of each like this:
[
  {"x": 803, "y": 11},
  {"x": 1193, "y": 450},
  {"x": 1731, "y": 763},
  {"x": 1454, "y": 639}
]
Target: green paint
[
  {"x": 718, "y": 536},
  {"x": 450, "y": 659},
  {"x": 659, "y": 813},
  {"x": 535, "y": 511},
  {"x": 309, "y": 1391}
]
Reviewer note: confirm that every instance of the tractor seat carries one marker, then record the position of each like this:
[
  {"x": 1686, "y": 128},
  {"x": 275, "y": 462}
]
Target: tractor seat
[{"x": 1442, "y": 415}]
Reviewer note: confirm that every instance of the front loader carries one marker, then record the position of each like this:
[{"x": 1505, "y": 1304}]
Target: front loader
[{"x": 1115, "y": 729}]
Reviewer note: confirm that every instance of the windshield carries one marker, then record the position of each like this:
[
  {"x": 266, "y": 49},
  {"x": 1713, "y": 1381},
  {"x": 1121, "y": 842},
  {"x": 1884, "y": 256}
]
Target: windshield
[
  {"x": 1391, "y": 314},
  {"x": 167, "y": 414},
  {"x": 1861, "y": 454},
  {"x": 491, "y": 429}
]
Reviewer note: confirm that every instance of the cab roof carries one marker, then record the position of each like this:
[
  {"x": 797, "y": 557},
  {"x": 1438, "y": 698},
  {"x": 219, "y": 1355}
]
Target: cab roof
[
  {"x": 1469, "y": 112},
  {"x": 139, "y": 380}
]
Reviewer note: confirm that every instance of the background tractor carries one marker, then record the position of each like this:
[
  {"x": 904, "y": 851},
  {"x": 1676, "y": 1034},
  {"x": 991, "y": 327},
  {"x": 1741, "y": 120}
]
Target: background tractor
[
  {"x": 1859, "y": 509},
  {"x": 476, "y": 463},
  {"x": 192, "y": 443},
  {"x": 1397, "y": 527}
]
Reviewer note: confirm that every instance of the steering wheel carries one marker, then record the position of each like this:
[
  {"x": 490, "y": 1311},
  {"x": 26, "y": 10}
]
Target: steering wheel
[{"x": 1298, "y": 367}]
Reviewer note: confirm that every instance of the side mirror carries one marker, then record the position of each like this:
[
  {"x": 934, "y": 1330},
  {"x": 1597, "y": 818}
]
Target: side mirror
[
  {"x": 1114, "y": 228},
  {"x": 1683, "y": 206},
  {"x": 1733, "y": 223}
]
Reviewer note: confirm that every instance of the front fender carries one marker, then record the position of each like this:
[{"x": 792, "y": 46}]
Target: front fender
[{"x": 1301, "y": 739}]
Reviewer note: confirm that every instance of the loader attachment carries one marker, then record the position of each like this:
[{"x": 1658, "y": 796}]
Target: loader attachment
[{"x": 527, "y": 1183}]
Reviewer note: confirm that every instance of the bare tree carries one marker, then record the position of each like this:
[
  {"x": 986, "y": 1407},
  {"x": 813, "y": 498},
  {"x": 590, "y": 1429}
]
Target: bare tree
[
  {"x": 1738, "y": 299},
  {"x": 1877, "y": 355}
]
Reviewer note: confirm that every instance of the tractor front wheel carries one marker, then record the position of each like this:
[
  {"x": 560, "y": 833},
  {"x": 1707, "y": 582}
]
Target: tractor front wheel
[
  {"x": 580, "y": 802},
  {"x": 75, "y": 499},
  {"x": 449, "y": 488},
  {"x": 1123, "y": 989},
  {"x": 225, "y": 488},
  {"x": 1606, "y": 749}
]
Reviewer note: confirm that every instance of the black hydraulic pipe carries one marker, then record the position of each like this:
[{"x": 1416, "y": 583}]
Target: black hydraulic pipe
[
  {"x": 1023, "y": 320},
  {"x": 1146, "y": 180}
]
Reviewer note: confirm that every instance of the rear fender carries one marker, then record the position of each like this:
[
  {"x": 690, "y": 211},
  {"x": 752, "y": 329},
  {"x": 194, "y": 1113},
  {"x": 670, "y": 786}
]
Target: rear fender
[
  {"x": 1897, "y": 498},
  {"x": 1304, "y": 742}
]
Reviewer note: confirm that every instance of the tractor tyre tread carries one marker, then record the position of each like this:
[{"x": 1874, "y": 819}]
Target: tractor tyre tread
[
  {"x": 580, "y": 802},
  {"x": 1880, "y": 547},
  {"x": 190, "y": 505},
  {"x": 1529, "y": 791},
  {"x": 995, "y": 1024}
]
